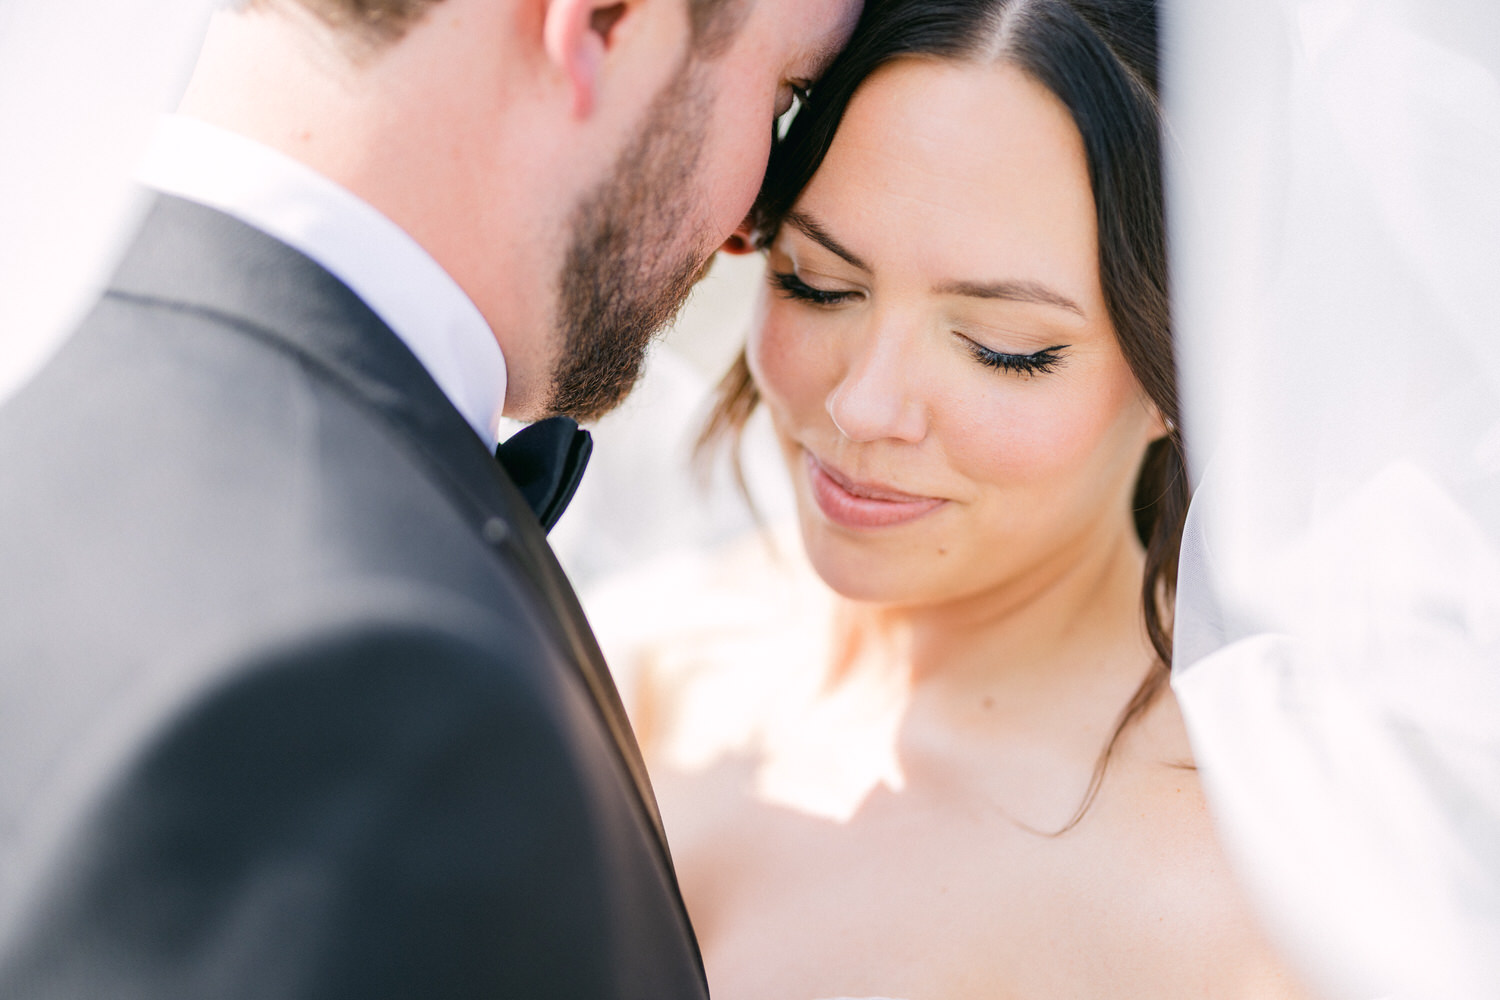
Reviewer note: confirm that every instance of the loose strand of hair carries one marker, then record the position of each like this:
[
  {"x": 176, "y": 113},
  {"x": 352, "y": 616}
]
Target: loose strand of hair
[{"x": 723, "y": 433}]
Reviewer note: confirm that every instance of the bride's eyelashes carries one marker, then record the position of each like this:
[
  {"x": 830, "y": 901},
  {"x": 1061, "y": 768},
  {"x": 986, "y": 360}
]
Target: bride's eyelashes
[
  {"x": 793, "y": 287},
  {"x": 1042, "y": 362},
  {"x": 1048, "y": 359}
]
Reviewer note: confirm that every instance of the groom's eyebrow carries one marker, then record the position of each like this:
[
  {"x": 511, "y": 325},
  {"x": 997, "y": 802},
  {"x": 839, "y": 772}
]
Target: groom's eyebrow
[{"x": 809, "y": 227}]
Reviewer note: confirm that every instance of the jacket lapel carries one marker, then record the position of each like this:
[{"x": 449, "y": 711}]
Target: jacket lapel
[{"x": 196, "y": 257}]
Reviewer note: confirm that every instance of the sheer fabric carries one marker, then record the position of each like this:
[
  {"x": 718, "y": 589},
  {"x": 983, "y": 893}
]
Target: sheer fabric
[{"x": 1335, "y": 194}]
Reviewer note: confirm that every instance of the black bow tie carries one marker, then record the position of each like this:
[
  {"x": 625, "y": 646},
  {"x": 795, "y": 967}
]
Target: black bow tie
[{"x": 546, "y": 462}]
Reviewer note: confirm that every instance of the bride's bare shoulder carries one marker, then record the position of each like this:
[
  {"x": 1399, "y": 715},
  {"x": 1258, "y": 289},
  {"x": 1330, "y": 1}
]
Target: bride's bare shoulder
[{"x": 703, "y": 645}]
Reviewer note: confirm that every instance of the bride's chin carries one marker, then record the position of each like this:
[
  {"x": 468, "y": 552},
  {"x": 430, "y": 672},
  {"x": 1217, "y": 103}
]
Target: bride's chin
[{"x": 862, "y": 576}]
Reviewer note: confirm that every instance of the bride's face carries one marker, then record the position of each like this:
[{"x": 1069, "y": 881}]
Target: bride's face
[{"x": 935, "y": 349}]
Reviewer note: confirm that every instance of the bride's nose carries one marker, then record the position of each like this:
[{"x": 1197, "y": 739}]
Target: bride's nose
[{"x": 878, "y": 396}]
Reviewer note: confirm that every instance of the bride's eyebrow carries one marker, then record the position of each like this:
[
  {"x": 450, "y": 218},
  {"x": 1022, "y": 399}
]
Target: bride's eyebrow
[
  {"x": 1014, "y": 291},
  {"x": 809, "y": 227}
]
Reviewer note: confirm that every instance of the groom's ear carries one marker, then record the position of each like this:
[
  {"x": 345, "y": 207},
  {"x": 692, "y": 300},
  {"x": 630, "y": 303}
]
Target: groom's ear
[
  {"x": 741, "y": 241},
  {"x": 577, "y": 35}
]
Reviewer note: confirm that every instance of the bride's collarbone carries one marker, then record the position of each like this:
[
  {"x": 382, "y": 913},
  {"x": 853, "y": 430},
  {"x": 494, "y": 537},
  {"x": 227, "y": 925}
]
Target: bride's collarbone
[{"x": 1138, "y": 883}]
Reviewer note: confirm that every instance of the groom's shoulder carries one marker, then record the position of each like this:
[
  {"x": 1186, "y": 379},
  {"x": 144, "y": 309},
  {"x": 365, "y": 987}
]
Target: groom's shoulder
[
  {"x": 155, "y": 419},
  {"x": 170, "y": 468},
  {"x": 189, "y": 510},
  {"x": 230, "y": 385}
]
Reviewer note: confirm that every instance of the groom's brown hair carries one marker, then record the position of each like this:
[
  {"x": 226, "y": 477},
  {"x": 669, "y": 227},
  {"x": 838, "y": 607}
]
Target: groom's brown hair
[{"x": 714, "y": 22}]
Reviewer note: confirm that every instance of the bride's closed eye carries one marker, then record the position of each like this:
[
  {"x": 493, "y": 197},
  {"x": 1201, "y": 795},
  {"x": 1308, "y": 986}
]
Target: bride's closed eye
[
  {"x": 1042, "y": 362},
  {"x": 793, "y": 287}
]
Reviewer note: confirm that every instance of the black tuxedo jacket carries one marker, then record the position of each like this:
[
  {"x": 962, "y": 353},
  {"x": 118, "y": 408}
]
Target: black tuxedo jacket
[{"x": 294, "y": 699}]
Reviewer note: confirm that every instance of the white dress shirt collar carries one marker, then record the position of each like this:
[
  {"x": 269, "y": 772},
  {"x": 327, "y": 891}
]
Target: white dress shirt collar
[{"x": 368, "y": 252}]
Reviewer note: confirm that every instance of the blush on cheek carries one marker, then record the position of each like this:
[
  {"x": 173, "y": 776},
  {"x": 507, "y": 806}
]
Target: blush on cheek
[
  {"x": 780, "y": 360},
  {"x": 1038, "y": 438},
  {"x": 1003, "y": 438}
]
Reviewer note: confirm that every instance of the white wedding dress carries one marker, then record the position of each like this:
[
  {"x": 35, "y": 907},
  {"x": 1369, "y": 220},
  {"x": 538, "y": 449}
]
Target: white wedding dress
[{"x": 1335, "y": 199}]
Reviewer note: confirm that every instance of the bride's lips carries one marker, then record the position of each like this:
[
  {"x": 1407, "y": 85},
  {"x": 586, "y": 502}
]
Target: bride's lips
[{"x": 863, "y": 505}]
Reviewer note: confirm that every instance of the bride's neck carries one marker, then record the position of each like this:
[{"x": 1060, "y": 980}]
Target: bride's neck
[{"x": 1073, "y": 616}]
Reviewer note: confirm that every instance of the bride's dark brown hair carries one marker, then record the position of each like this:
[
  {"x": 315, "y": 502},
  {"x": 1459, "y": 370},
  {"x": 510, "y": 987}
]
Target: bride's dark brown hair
[{"x": 1099, "y": 57}]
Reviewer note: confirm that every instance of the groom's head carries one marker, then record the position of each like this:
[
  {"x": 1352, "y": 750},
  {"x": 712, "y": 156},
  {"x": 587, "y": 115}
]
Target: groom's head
[
  {"x": 571, "y": 163},
  {"x": 375, "y": 22}
]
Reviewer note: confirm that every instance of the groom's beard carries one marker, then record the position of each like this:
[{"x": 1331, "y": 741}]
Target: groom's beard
[{"x": 626, "y": 272}]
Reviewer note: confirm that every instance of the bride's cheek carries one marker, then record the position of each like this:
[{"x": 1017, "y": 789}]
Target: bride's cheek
[
  {"x": 781, "y": 361},
  {"x": 1019, "y": 436}
]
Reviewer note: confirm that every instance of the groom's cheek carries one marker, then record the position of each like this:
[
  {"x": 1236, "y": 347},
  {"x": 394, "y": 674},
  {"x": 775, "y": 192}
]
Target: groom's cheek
[
  {"x": 733, "y": 163},
  {"x": 778, "y": 45}
]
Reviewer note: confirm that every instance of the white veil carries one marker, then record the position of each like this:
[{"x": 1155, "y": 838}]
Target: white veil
[
  {"x": 81, "y": 83},
  {"x": 1335, "y": 192}
]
